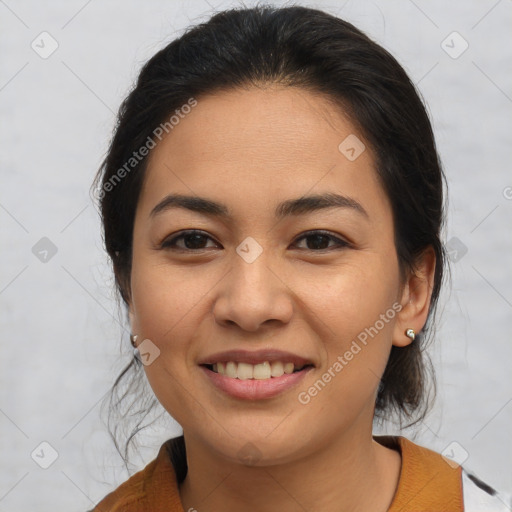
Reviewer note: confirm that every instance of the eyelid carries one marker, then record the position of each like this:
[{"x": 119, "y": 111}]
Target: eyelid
[
  {"x": 339, "y": 242},
  {"x": 167, "y": 241}
]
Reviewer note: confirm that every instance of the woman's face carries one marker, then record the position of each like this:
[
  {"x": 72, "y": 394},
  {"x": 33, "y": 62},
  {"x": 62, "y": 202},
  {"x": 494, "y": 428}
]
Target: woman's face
[{"x": 270, "y": 271}]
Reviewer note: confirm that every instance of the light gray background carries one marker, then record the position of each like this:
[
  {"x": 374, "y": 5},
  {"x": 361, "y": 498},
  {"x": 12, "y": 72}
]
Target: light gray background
[{"x": 59, "y": 321}]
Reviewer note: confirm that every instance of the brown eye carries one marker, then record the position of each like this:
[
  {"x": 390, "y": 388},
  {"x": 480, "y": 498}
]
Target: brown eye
[
  {"x": 319, "y": 240},
  {"x": 192, "y": 240}
]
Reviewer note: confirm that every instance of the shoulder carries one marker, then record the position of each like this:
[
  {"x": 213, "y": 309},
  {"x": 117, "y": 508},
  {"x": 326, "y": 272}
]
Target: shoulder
[
  {"x": 427, "y": 482},
  {"x": 153, "y": 488},
  {"x": 129, "y": 494},
  {"x": 481, "y": 497},
  {"x": 430, "y": 481}
]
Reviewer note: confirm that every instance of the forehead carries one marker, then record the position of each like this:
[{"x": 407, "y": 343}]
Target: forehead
[
  {"x": 274, "y": 121},
  {"x": 254, "y": 144}
]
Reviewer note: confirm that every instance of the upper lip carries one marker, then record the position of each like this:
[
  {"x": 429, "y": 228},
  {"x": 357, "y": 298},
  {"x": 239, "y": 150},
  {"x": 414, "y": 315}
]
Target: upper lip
[{"x": 256, "y": 357}]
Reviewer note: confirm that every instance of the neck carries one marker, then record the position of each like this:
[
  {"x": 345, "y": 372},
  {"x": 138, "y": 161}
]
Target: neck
[{"x": 351, "y": 473}]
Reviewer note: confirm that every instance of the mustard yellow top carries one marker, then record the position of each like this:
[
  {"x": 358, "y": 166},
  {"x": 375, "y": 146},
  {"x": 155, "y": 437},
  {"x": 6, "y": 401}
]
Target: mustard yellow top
[{"x": 427, "y": 484}]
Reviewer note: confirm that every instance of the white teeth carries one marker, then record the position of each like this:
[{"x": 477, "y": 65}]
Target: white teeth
[
  {"x": 244, "y": 371},
  {"x": 261, "y": 371},
  {"x": 288, "y": 368},
  {"x": 231, "y": 370},
  {"x": 277, "y": 369}
]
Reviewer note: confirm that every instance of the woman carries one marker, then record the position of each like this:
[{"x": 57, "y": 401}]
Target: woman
[{"x": 272, "y": 202}]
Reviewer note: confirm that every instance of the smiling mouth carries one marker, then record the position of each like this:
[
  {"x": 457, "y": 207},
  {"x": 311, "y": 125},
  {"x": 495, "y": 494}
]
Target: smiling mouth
[{"x": 261, "y": 371}]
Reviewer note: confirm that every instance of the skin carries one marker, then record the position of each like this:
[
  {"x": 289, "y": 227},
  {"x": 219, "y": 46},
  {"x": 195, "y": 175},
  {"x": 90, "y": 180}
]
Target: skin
[{"x": 251, "y": 149}]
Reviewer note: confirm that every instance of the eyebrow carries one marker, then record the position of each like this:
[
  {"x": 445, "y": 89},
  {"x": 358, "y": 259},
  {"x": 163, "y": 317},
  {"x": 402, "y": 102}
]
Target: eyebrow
[{"x": 299, "y": 206}]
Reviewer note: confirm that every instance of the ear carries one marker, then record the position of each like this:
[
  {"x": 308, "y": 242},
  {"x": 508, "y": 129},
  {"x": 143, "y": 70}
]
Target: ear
[{"x": 415, "y": 298}]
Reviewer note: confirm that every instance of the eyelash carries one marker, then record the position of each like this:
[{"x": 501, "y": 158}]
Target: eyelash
[{"x": 168, "y": 244}]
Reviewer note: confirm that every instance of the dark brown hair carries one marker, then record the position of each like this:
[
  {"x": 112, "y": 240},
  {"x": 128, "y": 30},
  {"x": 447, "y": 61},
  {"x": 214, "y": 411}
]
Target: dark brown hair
[{"x": 297, "y": 47}]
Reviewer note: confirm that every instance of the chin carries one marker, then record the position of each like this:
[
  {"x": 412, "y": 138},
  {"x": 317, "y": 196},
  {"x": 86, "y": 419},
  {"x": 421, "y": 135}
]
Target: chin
[{"x": 258, "y": 450}]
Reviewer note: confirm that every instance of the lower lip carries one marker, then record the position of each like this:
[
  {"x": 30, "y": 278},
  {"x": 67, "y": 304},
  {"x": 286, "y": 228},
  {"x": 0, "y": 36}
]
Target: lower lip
[{"x": 255, "y": 389}]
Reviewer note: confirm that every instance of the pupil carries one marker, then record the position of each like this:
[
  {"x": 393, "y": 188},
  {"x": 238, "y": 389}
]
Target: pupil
[
  {"x": 316, "y": 238},
  {"x": 196, "y": 241}
]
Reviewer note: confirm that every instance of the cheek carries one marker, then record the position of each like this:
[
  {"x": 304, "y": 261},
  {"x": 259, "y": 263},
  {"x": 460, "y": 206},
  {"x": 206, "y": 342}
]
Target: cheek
[
  {"x": 172, "y": 308},
  {"x": 352, "y": 296},
  {"x": 164, "y": 300},
  {"x": 356, "y": 314},
  {"x": 355, "y": 310},
  {"x": 166, "y": 304},
  {"x": 334, "y": 303}
]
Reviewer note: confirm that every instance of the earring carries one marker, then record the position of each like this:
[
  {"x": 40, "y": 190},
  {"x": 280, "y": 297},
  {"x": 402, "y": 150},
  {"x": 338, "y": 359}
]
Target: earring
[
  {"x": 133, "y": 339},
  {"x": 410, "y": 334}
]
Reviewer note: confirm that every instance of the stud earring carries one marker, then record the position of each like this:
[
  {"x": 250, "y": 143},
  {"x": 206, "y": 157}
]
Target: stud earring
[
  {"x": 410, "y": 334},
  {"x": 133, "y": 339}
]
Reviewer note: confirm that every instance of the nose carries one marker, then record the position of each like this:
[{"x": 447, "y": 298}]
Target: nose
[{"x": 253, "y": 294}]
